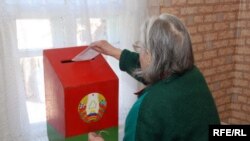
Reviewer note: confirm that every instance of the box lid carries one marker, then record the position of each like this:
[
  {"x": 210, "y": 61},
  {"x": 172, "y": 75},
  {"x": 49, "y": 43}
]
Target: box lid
[{"x": 73, "y": 74}]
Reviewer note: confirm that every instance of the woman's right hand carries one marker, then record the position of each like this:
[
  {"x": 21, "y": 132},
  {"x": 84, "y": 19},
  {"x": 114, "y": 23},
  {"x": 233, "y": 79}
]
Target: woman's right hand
[{"x": 106, "y": 48}]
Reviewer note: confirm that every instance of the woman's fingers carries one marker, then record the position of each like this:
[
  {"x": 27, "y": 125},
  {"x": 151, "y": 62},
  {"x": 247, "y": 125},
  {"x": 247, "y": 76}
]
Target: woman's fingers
[
  {"x": 106, "y": 48},
  {"x": 92, "y": 136},
  {"x": 102, "y": 46}
]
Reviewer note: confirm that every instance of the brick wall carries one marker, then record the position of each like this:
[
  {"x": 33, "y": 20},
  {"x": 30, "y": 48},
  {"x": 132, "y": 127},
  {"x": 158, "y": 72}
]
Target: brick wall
[
  {"x": 220, "y": 32},
  {"x": 240, "y": 106}
]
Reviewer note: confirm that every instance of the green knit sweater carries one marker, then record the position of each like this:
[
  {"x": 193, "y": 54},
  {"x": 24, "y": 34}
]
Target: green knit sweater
[{"x": 179, "y": 108}]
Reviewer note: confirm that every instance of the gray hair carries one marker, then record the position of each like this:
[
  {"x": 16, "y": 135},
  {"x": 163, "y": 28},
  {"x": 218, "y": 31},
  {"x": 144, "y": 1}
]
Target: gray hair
[{"x": 169, "y": 44}]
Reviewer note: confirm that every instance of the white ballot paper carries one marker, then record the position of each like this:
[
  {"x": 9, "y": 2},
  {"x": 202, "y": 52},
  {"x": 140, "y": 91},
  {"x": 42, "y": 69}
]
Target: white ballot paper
[{"x": 86, "y": 54}]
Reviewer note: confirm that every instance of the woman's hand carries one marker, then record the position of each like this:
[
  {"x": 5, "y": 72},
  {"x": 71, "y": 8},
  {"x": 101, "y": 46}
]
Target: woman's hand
[
  {"x": 106, "y": 48},
  {"x": 92, "y": 136}
]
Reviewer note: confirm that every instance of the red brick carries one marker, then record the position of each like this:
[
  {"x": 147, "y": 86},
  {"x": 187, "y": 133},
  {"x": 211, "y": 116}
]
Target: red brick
[
  {"x": 243, "y": 7},
  {"x": 219, "y": 93},
  {"x": 205, "y": 9},
  {"x": 222, "y": 108},
  {"x": 226, "y": 1},
  {"x": 223, "y": 100},
  {"x": 243, "y": 50},
  {"x": 189, "y": 20},
  {"x": 238, "y": 24},
  {"x": 230, "y": 16},
  {"x": 226, "y": 84},
  {"x": 219, "y": 44},
  {"x": 192, "y": 29},
  {"x": 198, "y": 56},
  {"x": 195, "y": 1},
  {"x": 214, "y": 86},
  {"x": 246, "y": 108},
  {"x": 221, "y": 26},
  {"x": 233, "y": 24},
  {"x": 196, "y": 38},
  {"x": 224, "y": 116},
  {"x": 242, "y": 67},
  {"x": 210, "y": 36},
  {"x": 226, "y": 7},
  {"x": 247, "y": 59},
  {"x": 234, "y": 98},
  {"x": 178, "y": 2},
  {"x": 220, "y": 17},
  {"x": 248, "y": 41},
  {"x": 211, "y": 1},
  {"x": 234, "y": 90},
  {"x": 247, "y": 76},
  {"x": 226, "y": 68},
  {"x": 210, "y": 54},
  {"x": 238, "y": 58},
  {"x": 238, "y": 75},
  {"x": 219, "y": 61},
  {"x": 220, "y": 77},
  {"x": 240, "y": 82},
  {"x": 248, "y": 23},
  {"x": 240, "y": 42},
  {"x": 205, "y": 27},
  {"x": 232, "y": 42},
  {"x": 226, "y": 34},
  {"x": 234, "y": 121},
  {"x": 198, "y": 47},
  {"x": 208, "y": 44},
  {"x": 204, "y": 64},
  {"x": 242, "y": 99},
  {"x": 237, "y": 42},
  {"x": 247, "y": 92},
  {"x": 229, "y": 59},
  {"x": 210, "y": 18},
  {"x": 235, "y": 106},
  {"x": 244, "y": 15},
  {"x": 198, "y": 19},
  {"x": 226, "y": 51},
  {"x": 245, "y": 32},
  {"x": 238, "y": 114},
  {"x": 189, "y": 10},
  {"x": 210, "y": 71}
]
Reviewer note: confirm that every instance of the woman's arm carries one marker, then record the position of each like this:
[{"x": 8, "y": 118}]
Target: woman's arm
[{"x": 129, "y": 61}]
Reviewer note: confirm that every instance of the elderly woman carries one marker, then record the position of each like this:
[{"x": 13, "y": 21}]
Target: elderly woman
[{"x": 176, "y": 104}]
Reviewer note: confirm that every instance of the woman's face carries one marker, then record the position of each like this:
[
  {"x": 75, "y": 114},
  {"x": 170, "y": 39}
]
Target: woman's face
[
  {"x": 145, "y": 56},
  {"x": 145, "y": 59}
]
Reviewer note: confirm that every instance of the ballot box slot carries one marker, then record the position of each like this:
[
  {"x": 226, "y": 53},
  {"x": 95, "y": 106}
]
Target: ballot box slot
[
  {"x": 71, "y": 61},
  {"x": 67, "y": 61}
]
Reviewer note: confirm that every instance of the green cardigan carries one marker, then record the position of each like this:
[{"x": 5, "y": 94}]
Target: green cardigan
[{"x": 179, "y": 108}]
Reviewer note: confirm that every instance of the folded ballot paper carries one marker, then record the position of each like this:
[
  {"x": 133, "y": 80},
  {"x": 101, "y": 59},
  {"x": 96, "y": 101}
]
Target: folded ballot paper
[{"x": 86, "y": 54}]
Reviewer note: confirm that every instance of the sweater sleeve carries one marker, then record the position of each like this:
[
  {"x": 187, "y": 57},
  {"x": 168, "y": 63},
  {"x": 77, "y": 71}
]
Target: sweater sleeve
[{"x": 129, "y": 61}]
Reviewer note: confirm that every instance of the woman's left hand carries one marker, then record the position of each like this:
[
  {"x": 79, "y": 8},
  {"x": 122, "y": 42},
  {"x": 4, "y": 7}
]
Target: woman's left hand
[{"x": 92, "y": 136}]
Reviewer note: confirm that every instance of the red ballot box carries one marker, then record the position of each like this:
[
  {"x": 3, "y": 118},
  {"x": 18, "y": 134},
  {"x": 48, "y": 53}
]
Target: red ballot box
[{"x": 81, "y": 97}]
